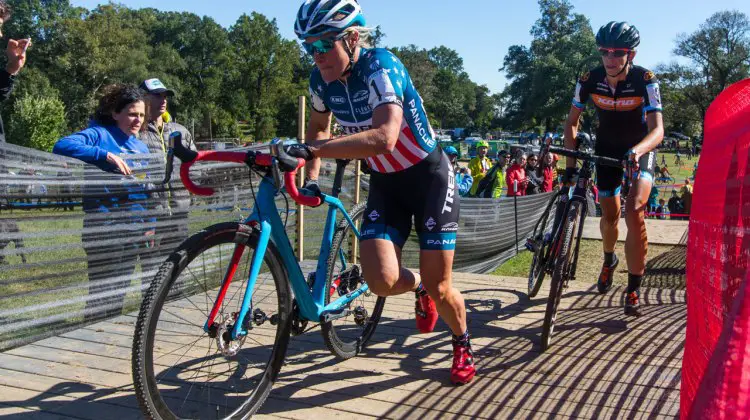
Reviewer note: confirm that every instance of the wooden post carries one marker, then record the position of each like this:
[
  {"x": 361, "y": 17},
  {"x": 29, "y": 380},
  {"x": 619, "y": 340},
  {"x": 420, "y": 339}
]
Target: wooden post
[
  {"x": 354, "y": 241},
  {"x": 301, "y": 175}
]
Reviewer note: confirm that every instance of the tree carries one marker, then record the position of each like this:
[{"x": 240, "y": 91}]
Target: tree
[
  {"x": 719, "y": 54},
  {"x": 264, "y": 68},
  {"x": 544, "y": 74},
  {"x": 102, "y": 48},
  {"x": 37, "y": 122},
  {"x": 240, "y": 81},
  {"x": 421, "y": 69},
  {"x": 681, "y": 114},
  {"x": 447, "y": 59}
]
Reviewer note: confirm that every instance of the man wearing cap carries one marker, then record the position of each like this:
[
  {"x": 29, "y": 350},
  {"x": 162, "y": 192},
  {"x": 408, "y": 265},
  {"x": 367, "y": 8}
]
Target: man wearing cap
[
  {"x": 480, "y": 165},
  {"x": 175, "y": 202}
]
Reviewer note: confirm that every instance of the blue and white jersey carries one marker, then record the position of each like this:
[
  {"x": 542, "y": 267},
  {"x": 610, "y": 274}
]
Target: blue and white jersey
[{"x": 377, "y": 78}]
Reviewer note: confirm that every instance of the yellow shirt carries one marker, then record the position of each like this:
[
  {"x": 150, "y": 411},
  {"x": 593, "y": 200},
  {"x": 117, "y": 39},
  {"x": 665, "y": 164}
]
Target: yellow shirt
[{"x": 479, "y": 168}]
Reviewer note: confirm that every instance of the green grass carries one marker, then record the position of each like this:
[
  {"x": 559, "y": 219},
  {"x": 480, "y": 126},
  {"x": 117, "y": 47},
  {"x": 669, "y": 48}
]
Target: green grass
[
  {"x": 679, "y": 174},
  {"x": 665, "y": 265}
]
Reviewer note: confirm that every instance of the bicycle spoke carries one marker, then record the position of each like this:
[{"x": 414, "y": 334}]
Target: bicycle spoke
[{"x": 193, "y": 375}]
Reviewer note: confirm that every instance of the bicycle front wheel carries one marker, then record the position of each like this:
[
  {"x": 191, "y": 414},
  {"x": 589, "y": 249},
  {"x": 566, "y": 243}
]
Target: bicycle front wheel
[
  {"x": 563, "y": 258},
  {"x": 539, "y": 261},
  {"x": 182, "y": 371},
  {"x": 346, "y": 337}
]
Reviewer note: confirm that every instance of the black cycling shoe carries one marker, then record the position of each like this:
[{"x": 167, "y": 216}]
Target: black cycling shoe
[
  {"x": 604, "y": 283},
  {"x": 632, "y": 304}
]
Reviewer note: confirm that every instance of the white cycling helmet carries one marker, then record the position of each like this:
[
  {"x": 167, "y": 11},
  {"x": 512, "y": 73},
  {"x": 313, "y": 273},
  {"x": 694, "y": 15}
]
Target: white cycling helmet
[{"x": 318, "y": 17}]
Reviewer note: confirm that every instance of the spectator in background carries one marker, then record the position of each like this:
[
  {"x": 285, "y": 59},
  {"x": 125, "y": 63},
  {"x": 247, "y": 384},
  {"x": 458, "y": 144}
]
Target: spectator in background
[
  {"x": 115, "y": 215},
  {"x": 480, "y": 165},
  {"x": 491, "y": 186},
  {"x": 515, "y": 177},
  {"x": 662, "y": 211},
  {"x": 665, "y": 172},
  {"x": 16, "y": 54},
  {"x": 503, "y": 157},
  {"x": 549, "y": 172},
  {"x": 594, "y": 190},
  {"x": 675, "y": 206},
  {"x": 463, "y": 175},
  {"x": 533, "y": 174},
  {"x": 686, "y": 194},
  {"x": 653, "y": 197},
  {"x": 173, "y": 204}
]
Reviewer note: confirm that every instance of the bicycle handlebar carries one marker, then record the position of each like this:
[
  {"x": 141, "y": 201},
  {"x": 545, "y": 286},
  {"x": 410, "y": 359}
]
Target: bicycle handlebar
[
  {"x": 601, "y": 160},
  {"x": 285, "y": 163}
]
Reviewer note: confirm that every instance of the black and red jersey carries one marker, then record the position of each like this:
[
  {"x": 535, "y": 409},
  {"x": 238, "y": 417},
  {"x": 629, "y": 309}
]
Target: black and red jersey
[{"x": 622, "y": 110}]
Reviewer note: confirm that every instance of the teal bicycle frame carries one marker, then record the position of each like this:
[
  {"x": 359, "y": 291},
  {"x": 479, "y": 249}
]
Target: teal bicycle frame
[{"x": 311, "y": 303}]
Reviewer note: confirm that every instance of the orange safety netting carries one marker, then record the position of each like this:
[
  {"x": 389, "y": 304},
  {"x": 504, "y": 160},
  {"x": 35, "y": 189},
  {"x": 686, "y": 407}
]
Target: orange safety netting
[{"x": 716, "y": 364}]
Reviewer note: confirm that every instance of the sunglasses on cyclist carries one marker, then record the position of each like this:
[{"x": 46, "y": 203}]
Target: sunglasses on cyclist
[
  {"x": 614, "y": 52},
  {"x": 323, "y": 45}
]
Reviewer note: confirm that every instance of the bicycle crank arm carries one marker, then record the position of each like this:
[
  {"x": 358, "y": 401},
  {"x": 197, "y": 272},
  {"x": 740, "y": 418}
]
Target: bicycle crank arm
[{"x": 332, "y": 315}]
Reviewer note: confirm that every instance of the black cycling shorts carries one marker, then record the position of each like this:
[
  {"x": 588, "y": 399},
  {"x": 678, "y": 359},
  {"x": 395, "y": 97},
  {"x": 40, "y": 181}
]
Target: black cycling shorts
[
  {"x": 425, "y": 192},
  {"x": 609, "y": 179}
]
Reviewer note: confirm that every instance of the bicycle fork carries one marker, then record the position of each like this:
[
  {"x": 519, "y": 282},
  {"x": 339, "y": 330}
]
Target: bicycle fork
[{"x": 260, "y": 250}]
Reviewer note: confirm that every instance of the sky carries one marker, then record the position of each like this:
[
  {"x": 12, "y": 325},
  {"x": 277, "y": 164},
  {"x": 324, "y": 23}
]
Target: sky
[{"x": 480, "y": 30}]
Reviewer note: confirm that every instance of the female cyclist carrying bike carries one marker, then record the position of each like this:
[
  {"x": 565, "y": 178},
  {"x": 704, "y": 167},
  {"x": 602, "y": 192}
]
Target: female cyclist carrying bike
[{"x": 370, "y": 93}]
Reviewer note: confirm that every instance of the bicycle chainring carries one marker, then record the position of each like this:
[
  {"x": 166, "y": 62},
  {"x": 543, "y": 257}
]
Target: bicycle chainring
[{"x": 298, "y": 324}]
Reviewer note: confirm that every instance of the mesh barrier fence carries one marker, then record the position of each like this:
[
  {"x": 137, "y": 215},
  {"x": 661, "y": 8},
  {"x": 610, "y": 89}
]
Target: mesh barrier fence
[
  {"x": 78, "y": 244},
  {"x": 716, "y": 363}
]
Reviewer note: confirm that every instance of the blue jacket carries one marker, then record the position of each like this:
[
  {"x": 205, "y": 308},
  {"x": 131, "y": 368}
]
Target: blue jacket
[
  {"x": 91, "y": 146},
  {"x": 464, "y": 182}
]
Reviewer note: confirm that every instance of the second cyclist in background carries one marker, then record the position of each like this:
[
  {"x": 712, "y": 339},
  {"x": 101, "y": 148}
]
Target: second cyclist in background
[{"x": 628, "y": 104}]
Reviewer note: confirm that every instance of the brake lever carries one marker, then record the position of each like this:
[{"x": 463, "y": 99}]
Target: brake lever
[
  {"x": 278, "y": 179},
  {"x": 179, "y": 150},
  {"x": 170, "y": 158}
]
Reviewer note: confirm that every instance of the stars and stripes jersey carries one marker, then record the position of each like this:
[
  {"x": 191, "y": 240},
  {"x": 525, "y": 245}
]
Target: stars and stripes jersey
[
  {"x": 378, "y": 78},
  {"x": 622, "y": 111}
]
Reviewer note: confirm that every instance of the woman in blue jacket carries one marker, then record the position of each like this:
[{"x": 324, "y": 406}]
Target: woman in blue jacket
[{"x": 115, "y": 220}]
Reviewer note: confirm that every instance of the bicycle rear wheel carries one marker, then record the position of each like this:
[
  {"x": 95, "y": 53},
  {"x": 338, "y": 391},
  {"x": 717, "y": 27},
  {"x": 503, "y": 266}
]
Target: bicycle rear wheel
[
  {"x": 179, "y": 370},
  {"x": 346, "y": 337},
  {"x": 563, "y": 258}
]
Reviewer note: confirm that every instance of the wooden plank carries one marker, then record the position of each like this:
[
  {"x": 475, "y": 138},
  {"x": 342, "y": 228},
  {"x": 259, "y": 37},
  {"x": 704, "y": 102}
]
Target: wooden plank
[
  {"x": 70, "y": 407},
  {"x": 599, "y": 365}
]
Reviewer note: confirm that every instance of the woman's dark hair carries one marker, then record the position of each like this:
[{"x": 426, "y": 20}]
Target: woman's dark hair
[
  {"x": 5, "y": 10},
  {"x": 114, "y": 99}
]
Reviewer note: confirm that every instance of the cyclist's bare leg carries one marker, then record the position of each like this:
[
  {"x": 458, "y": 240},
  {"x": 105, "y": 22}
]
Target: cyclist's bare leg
[
  {"x": 381, "y": 266},
  {"x": 636, "y": 242},
  {"x": 436, "y": 268},
  {"x": 608, "y": 224}
]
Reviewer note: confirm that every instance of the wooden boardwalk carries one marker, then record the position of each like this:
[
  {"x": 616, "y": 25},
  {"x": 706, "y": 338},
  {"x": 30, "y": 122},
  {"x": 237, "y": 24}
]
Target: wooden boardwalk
[{"x": 601, "y": 365}]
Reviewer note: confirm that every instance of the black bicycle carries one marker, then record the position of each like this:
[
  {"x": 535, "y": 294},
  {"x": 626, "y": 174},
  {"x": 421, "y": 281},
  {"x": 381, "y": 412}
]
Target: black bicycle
[{"x": 552, "y": 243}]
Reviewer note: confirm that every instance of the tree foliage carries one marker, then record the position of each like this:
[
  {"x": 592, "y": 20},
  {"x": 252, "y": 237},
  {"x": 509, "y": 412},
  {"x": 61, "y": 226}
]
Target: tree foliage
[
  {"x": 717, "y": 54},
  {"x": 238, "y": 81},
  {"x": 39, "y": 121},
  {"x": 542, "y": 75}
]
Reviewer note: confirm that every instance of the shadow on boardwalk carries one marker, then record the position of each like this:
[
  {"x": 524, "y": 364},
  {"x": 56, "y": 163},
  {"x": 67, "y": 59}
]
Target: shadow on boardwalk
[{"x": 601, "y": 365}]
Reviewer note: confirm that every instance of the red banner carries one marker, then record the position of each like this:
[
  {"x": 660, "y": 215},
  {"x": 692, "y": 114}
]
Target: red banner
[{"x": 716, "y": 363}]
